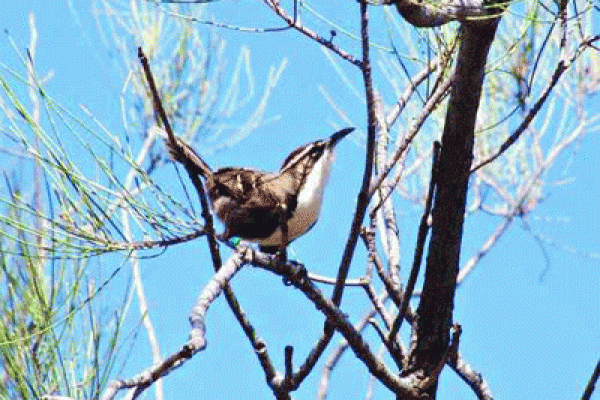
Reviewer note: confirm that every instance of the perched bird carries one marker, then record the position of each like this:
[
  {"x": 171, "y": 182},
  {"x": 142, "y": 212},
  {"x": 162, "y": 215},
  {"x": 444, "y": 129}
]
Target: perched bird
[{"x": 271, "y": 209}]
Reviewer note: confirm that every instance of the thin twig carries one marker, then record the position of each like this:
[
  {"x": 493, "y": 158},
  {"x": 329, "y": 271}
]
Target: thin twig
[
  {"x": 143, "y": 303},
  {"x": 390, "y": 288},
  {"x": 394, "y": 350},
  {"x": 421, "y": 237},
  {"x": 338, "y": 321},
  {"x": 151, "y": 244},
  {"x": 331, "y": 281},
  {"x": 560, "y": 69},
  {"x": 335, "y": 355},
  {"x": 591, "y": 385},
  {"x": 273, "y": 379},
  {"x": 294, "y": 23},
  {"x": 215, "y": 23},
  {"x": 383, "y": 214},
  {"x": 363, "y": 196},
  {"x": 432, "y": 102},
  {"x": 415, "y": 81},
  {"x": 313, "y": 357}
]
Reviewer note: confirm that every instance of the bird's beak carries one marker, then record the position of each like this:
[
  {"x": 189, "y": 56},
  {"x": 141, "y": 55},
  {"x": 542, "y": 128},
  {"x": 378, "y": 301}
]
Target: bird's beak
[{"x": 339, "y": 135}]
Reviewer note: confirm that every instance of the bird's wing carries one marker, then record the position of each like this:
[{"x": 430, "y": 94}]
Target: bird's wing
[
  {"x": 284, "y": 187},
  {"x": 237, "y": 183},
  {"x": 256, "y": 217}
]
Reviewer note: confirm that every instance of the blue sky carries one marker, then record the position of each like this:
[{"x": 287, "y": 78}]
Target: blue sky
[{"x": 531, "y": 338}]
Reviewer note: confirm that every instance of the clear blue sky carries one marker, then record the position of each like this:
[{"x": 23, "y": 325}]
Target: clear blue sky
[{"x": 530, "y": 339}]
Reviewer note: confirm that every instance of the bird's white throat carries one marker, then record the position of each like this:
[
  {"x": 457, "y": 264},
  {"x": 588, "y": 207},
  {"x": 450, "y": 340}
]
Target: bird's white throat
[{"x": 308, "y": 207}]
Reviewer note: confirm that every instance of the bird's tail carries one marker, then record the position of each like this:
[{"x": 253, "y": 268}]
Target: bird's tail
[{"x": 183, "y": 153}]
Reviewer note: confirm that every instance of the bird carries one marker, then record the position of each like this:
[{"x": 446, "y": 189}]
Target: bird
[{"x": 268, "y": 208}]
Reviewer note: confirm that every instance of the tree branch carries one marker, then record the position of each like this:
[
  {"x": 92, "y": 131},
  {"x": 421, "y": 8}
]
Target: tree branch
[
  {"x": 334, "y": 356},
  {"x": 421, "y": 237},
  {"x": 470, "y": 377},
  {"x": 429, "y": 14},
  {"x": 273, "y": 379},
  {"x": 339, "y": 321},
  {"x": 429, "y": 106},
  {"x": 591, "y": 385},
  {"x": 364, "y": 195},
  {"x": 294, "y": 23},
  {"x": 561, "y": 67},
  {"x": 434, "y": 314}
]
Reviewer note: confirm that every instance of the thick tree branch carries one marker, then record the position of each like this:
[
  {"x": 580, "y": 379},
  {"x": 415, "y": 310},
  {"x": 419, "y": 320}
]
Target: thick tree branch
[
  {"x": 470, "y": 377},
  {"x": 339, "y": 321},
  {"x": 430, "y": 14},
  {"x": 434, "y": 314}
]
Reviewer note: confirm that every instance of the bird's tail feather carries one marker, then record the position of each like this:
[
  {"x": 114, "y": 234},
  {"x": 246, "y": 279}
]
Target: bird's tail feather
[{"x": 185, "y": 154}]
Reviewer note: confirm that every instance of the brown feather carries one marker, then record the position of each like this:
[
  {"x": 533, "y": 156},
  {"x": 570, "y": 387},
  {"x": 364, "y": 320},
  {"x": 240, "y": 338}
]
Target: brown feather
[{"x": 254, "y": 204}]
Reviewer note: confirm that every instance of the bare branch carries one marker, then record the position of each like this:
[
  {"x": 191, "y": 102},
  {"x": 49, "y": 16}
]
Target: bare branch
[
  {"x": 197, "y": 341},
  {"x": 416, "y": 80},
  {"x": 363, "y": 196},
  {"x": 294, "y": 23},
  {"x": 429, "y": 14},
  {"x": 339, "y": 321},
  {"x": 421, "y": 237},
  {"x": 273, "y": 379},
  {"x": 143, "y": 380},
  {"x": 591, "y": 385},
  {"x": 334, "y": 356},
  {"x": 331, "y": 281},
  {"x": 489, "y": 243},
  {"x": 151, "y": 244},
  {"x": 383, "y": 214},
  {"x": 143, "y": 302},
  {"x": 313, "y": 356},
  {"x": 470, "y": 377},
  {"x": 211, "y": 291},
  {"x": 562, "y": 66},
  {"x": 395, "y": 293},
  {"x": 432, "y": 102}
]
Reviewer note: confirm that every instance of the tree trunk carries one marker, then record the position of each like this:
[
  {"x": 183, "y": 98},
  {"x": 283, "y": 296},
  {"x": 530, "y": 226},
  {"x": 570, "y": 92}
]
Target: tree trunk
[{"x": 434, "y": 314}]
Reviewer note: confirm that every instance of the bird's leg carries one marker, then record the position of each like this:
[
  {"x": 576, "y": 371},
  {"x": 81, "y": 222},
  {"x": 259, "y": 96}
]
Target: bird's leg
[
  {"x": 282, "y": 252},
  {"x": 297, "y": 270}
]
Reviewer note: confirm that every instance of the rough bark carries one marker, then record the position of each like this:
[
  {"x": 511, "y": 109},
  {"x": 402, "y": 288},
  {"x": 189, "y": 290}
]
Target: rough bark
[{"x": 434, "y": 314}]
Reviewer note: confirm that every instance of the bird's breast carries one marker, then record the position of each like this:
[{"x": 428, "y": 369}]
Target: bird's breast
[{"x": 309, "y": 202}]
